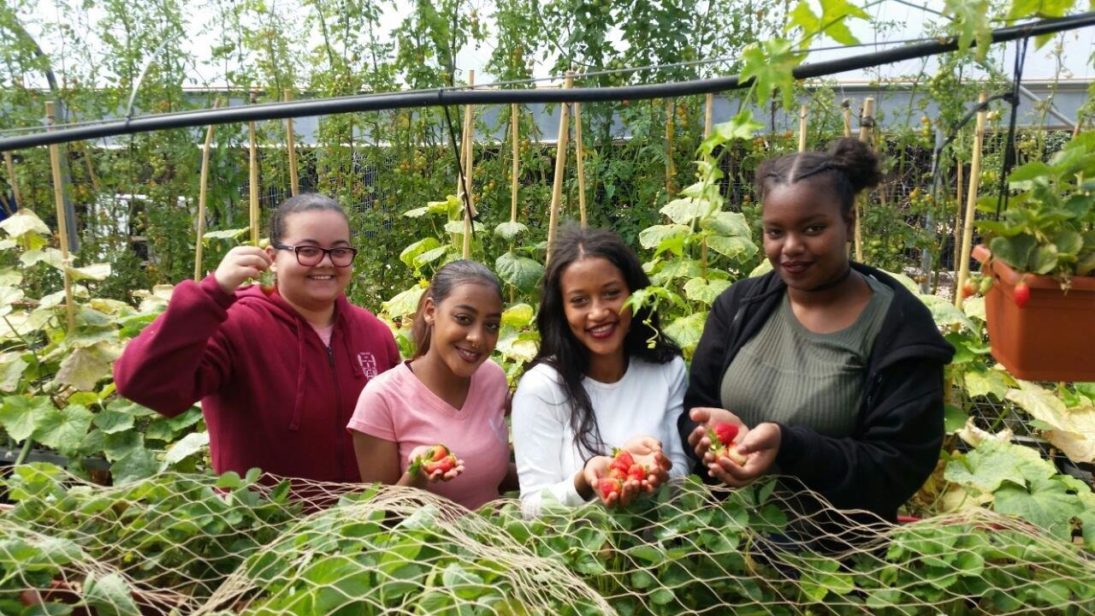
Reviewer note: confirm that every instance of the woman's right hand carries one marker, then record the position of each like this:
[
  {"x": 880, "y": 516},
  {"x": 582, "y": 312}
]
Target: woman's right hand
[
  {"x": 241, "y": 263},
  {"x": 422, "y": 476},
  {"x": 708, "y": 416}
]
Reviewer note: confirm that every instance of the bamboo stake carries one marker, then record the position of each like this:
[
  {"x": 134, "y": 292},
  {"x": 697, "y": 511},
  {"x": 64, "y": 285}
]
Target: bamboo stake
[
  {"x": 579, "y": 153},
  {"x": 253, "y": 167},
  {"x": 670, "y": 168},
  {"x": 9, "y": 162},
  {"x": 708, "y": 114},
  {"x": 971, "y": 203},
  {"x": 958, "y": 221},
  {"x": 847, "y": 105},
  {"x": 802, "y": 128},
  {"x": 560, "y": 170},
  {"x": 62, "y": 222},
  {"x": 865, "y": 124},
  {"x": 291, "y": 144},
  {"x": 469, "y": 162},
  {"x": 203, "y": 190},
  {"x": 514, "y": 136}
]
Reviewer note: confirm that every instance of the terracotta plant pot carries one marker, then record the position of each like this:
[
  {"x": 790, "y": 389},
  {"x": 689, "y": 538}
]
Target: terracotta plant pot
[{"x": 1052, "y": 337}]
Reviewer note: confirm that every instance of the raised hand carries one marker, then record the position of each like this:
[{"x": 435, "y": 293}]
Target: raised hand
[{"x": 241, "y": 263}]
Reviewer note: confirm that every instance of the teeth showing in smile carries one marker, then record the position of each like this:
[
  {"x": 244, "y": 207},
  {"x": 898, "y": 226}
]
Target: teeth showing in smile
[
  {"x": 602, "y": 331},
  {"x": 321, "y": 277},
  {"x": 468, "y": 356}
]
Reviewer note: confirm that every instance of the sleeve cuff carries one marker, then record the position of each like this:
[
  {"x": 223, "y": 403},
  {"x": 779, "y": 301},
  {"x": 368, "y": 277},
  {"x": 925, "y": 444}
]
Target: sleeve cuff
[
  {"x": 213, "y": 289},
  {"x": 791, "y": 447}
]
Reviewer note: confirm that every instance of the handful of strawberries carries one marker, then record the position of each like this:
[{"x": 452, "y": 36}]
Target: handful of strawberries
[
  {"x": 722, "y": 437},
  {"x": 623, "y": 468},
  {"x": 436, "y": 459}
]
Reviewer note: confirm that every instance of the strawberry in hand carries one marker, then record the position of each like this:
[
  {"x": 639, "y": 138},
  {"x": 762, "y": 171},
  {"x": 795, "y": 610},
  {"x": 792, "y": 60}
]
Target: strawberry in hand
[
  {"x": 437, "y": 463},
  {"x": 722, "y": 437}
]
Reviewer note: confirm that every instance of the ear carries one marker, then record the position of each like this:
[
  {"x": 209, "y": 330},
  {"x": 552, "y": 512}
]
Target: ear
[
  {"x": 273, "y": 254},
  {"x": 849, "y": 221},
  {"x": 429, "y": 311}
]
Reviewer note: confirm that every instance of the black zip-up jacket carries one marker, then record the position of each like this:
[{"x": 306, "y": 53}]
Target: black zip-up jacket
[{"x": 898, "y": 434}]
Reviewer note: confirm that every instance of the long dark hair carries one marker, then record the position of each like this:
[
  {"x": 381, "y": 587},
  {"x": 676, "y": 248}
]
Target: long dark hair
[
  {"x": 849, "y": 166},
  {"x": 450, "y": 276},
  {"x": 569, "y": 357}
]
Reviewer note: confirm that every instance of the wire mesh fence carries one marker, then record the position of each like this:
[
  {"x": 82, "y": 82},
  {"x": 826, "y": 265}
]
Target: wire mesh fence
[{"x": 195, "y": 544}]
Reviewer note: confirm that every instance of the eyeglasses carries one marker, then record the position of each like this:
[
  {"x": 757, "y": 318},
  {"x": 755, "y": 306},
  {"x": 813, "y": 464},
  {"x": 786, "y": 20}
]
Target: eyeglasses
[{"x": 310, "y": 256}]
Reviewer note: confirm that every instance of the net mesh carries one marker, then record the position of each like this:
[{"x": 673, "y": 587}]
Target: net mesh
[{"x": 196, "y": 544}]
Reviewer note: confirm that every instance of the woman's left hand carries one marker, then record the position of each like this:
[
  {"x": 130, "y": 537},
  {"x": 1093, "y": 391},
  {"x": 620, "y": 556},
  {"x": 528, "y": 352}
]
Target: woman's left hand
[
  {"x": 759, "y": 445},
  {"x": 647, "y": 450}
]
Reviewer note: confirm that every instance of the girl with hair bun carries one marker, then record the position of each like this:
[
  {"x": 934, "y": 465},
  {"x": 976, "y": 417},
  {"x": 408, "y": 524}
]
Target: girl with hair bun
[
  {"x": 831, "y": 369},
  {"x": 449, "y": 398}
]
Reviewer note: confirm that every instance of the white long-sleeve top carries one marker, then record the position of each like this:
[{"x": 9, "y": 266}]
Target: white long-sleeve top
[{"x": 645, "y": 402}]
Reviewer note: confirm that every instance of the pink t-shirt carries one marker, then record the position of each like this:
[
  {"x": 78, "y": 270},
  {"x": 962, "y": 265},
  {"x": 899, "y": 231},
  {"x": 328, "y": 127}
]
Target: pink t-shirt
[{"x": 395, "y": 406}]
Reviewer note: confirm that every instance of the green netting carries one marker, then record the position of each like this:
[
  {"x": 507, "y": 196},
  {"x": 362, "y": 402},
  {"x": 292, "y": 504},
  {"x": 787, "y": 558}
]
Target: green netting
[{"x": 194, "y": 544}]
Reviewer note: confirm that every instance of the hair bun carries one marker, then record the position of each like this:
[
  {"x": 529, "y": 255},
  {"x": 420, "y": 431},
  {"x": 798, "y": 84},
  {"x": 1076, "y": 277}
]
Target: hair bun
[{"x": 857, "y": 161}]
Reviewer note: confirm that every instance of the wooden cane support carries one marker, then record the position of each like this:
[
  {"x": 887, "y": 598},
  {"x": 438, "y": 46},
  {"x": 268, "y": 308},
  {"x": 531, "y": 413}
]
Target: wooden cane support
[
  {"x": 560, "y": 170},
  {"x": 670, "y": 167},
  {"x": 971, "y": 203},
  {"x": 515, "y": 135},
  {"x": 866, "y": 123},
  {"x": 62, "y": 222},
  {"x": 708, "y": 115},
  {"x": 847, "y": 105},
  {"x": 203, "y": 196},
  {"x": 579, "y": 153},
  {"x": 291, "y": 146},
  {"x": 469, "y": 165},
  {"x": 253, "y": 168},
  {"x": 802, "y": 128}
]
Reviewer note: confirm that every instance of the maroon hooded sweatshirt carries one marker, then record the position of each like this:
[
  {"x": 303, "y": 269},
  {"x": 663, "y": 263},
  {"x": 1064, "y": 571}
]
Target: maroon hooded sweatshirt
[{"x": 273, "y": 395}]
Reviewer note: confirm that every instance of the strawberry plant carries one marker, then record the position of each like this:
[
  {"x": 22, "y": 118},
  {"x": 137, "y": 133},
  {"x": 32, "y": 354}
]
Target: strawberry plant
[{"x": 1049, "y": 226}]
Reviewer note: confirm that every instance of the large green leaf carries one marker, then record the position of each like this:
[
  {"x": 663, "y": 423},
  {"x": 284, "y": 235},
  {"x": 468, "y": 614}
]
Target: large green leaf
[
  {"x": 191, "y": 444},
  {"x": 994, "y": 463},
  {"x": 509, "y": 231},
  {"x": 110, "y": 595},
  {"x": 704, "y": 290},
  {"x": 986, "y": 382},
  {"x": 84, "y": 368},
  {"x": 684, "y": 211},
  {"x": 111, "y": 421},
  {"x": 411, "y": 252},
  {"x": 518, "y": 315},
  {"x": 664, "y": 237},
  {"x": 1045, "y": 503},
  {"x": 737, "y": 248},
  {"x": 21, "y": 416},
  {"x": 686, "y": 331},
  {"x": 1015, "y": 251},
  {"x": 22, "y": 222},
  {"x": 12, "y": 371},
  {"x": 771, "y": 64},
  {"x": 64, "y": 430},
  {"x": 404, "y": 303},
  {"x": 521, "y": 272},
  {"x": 971, "y": 19},
  {"x": 137, "y": 464},
  {"x": 728, "y": 223}
]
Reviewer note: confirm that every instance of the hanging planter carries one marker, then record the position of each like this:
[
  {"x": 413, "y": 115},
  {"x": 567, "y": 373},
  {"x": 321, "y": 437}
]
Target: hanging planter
[{"x": 1048, "y": 336}]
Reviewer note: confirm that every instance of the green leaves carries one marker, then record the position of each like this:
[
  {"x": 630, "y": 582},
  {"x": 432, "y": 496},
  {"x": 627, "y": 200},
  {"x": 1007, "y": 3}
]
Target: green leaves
[
  {"x": 833, "y": 21},
  {"x": 970, "y": 18},
  {"x": 770, "y": 64},
  {"x": 517, "y": 271},
  {"x": 20, "y": 416}
]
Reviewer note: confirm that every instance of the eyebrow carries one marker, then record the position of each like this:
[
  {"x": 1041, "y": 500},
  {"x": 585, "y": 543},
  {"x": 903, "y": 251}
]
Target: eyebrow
[
  {"x": 316, "y": 242},
  {"x": 470, "y": 308}
]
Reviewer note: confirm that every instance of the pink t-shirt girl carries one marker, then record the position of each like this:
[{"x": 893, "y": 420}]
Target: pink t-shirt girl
[{"x": 395, "y": 406}]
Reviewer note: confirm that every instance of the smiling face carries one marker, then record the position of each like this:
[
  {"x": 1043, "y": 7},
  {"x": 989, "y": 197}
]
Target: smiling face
[
  {"x": 313, "y": 288},
  {"x": 806, "y": 234},
  {"x": 593, "y": 293},
  {"x": 464, "y": 327}
]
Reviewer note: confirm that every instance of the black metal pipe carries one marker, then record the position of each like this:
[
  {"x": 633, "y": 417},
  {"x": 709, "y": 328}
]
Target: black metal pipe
[{"x": 464, "y": 96}]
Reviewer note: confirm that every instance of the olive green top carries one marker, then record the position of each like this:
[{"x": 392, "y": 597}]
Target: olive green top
[{"x": 788, "y": 374}]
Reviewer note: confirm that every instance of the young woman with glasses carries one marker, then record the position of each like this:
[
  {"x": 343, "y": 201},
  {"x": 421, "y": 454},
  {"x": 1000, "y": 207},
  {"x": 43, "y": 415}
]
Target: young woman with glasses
[
  {"x": 449, "y": 393},
  {"x": 277, "y": 371}
]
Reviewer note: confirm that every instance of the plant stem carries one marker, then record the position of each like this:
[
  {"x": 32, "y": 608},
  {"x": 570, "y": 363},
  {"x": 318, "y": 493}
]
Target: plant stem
[{"x": 24, "y": 451}]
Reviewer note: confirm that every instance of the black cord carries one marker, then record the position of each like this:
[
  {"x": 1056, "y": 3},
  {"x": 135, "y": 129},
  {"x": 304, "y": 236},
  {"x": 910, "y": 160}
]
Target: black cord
[
  {"x": 459, "y": 169},
  {"x": 1009, "y": 146}
]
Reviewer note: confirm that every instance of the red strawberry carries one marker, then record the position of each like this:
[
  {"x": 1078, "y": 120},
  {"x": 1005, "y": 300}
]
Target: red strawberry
[
  {"x": 1021, "y": 294},
  {"x": 722, "y": 437},
  {"x": 622, "y": 459},
  {"x": 608, "y": 486},
  {"x": 437, "y": 458},
  {"x": 637, "y": 472}
]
